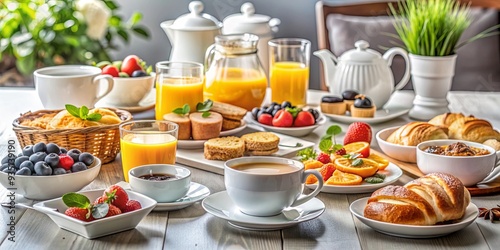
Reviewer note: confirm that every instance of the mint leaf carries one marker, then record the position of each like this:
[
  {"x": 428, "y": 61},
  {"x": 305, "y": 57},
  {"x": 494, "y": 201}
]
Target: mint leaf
[
  {"x": 100, "y": 210},
  {"x": 76, "y": 200},
  {"x": 381, "y": 176},
  {"x": 325, "y": 145},
  {"x": 374, "y": 180},
  {"x": 205, "y": 114},
  {"x": 182, "y": 111},
  {"x": 334, "y": 130},
  {"x": 326, "y": 137},
  {"x": 84, "y": 111},
  {"x": 73, "y": 110},
  {"x": 357, "y": 162},
  {"x": 94, "y": 117},
  {"x": 204, "y": 106}
]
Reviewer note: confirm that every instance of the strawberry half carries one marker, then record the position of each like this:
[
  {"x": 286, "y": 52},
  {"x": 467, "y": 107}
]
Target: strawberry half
[{"x": 358, "y": 132}]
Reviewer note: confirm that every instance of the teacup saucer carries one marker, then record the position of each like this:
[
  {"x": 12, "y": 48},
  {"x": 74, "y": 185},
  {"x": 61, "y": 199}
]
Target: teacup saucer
[
  {"x": 220, "y": 205},
  {"x": 196, "y": 193},
  {"x": 147, "y": 103}
]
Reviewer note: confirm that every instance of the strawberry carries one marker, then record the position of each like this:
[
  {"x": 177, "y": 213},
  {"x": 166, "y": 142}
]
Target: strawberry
[
  {"x": 113, "y": 210},
  {"x": 266, "y": 119},
  {"x": 341, "y": 151},
  {"x": 101, "y": 199},
  {"x": 303, "y": 119},
  {"x": 79, "y": 213},
  {"x": 117, "y": 196},
  {"x": 111, "y": 70},
  {"x": 327, "y": 170},
  {"x": 65, "y": 161},
  {"x": 283, "y": 118},
  {"x": 130, "y": 64},
  {"x": 324, "y": 158},
  {"x": 358, "y": 132},
  {"x": 132, "y": 205}
]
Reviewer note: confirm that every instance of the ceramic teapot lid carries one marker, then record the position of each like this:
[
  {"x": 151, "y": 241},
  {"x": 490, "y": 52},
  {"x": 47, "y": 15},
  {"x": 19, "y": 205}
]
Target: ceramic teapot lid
[
  {"x": 248, "y": 21},
  {"x": 195, "y": 20},
  {"x": 361, "y": 54}
]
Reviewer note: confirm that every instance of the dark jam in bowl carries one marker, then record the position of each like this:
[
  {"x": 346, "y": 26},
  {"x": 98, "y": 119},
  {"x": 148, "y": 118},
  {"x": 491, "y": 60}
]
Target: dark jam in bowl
[
  {"x": 456, "y": 149},
  {"x": 158, "y": 177}
]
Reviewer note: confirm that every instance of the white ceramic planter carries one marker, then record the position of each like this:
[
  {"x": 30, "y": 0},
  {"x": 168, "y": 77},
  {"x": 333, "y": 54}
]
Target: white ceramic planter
[{"x": 432, "y": 77}]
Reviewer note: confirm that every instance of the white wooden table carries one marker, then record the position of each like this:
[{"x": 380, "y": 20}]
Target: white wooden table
[{"x": 193, "y": 228}]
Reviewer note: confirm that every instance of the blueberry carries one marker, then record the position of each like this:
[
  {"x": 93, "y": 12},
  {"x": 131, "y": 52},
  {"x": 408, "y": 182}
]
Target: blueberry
[
  {"x": 63, "y": 150},
  {"x": 269, "y": 110},
  {"x": 331, "y": 99},
  {"x": 74, "y": 153},
  {"x": 10, "y": 170},
  {"x": 20, "y": 160},
  {"x": 53, "y": 148},
  {"x": 78, "y": 166},
  {"x": 28, "y": 164},
  {"x": 40, "y": 147},
  {"x": 42, "y": 168},
  {"x": 28, "y": 150},
  {"x": 138, "y": 73},
  {"x": 277, "y": 107},
  {"x": 52, "y": 159},
  {"x": 274, "y": 112},
  {"x": 23, "y": 171},
  {"x": 86, "y": 158},
  {"x": 349, "y": 94},
  {"x": 4, "y": 166},
  {"x": 59, "y": 171},
  {"x": 5, "y": 159},
  {"x": 255, "y": 111},
  {"x": 260, "y": 113},
  {"x": 363, "y": 102},
  {"x": 38, "y": 156},
  {"x": 315, "y": 113},
  {"x": 286, "y": 104}
]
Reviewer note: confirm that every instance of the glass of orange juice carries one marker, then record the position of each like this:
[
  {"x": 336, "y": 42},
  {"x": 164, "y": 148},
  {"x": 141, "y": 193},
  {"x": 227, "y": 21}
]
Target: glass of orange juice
[
  {"x": 178, "y": 83},
  {"x": 289, "y": 70},
  {"x": 145, "y": 142}
]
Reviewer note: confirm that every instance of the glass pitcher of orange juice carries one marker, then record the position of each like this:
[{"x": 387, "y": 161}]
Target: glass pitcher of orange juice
[{"x": 235, "y": 74}]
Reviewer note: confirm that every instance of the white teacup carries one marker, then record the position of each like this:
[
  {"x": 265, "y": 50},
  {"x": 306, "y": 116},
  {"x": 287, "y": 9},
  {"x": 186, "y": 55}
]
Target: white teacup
[
  {"x": 129, "y": 91},
  {"x": 264, "y": 186},
  {"x": 70, "y": 84}
]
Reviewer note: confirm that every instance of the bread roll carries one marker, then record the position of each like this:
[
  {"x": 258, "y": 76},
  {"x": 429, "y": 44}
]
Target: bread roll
[
  {"x": 433, "y": 198},
  {"x": 184, "y": 131},
  {"x": 472, "y": 129},
  {"x": 414, "y": 133},
  {"x": 204, "y": 128},
  {"x": 446, "y": 119}
]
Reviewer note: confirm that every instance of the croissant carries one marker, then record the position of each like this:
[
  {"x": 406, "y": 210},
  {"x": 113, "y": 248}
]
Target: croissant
[
  {"x": 414, "y": 133},
  {"x": 428, "y": 200},
  {"x": 472, "y": 129},
  {"x": 446, "y": 119}
]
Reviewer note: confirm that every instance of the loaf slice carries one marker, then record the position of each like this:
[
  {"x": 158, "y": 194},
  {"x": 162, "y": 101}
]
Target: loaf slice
[
  {"x": 261, "y": 141},
  {"x": 223, "y": 148},
  {"x": 204, "y": 128},
  {"x": 228, "y": 124},
  {"x": 184, "y": 131},
  {"x": 229, "y": 111}
]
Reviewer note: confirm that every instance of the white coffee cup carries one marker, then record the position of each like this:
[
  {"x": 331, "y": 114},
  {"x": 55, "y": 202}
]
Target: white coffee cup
[
  {"x": 264, "y": 186},
  {"x": 70, "y": 84}
]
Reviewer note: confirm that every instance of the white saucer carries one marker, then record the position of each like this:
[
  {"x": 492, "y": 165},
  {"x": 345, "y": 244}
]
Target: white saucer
[
  {"x": 148, "y": 102},
  {"x": 381, "y": 115},
  {"x": 221, "y": 206},
  {"x": 412, "y": 231},
  {"x": 197, "y": 192},
  {"x": 392, "y": 173},
  {"x": 195, "y": 144}
]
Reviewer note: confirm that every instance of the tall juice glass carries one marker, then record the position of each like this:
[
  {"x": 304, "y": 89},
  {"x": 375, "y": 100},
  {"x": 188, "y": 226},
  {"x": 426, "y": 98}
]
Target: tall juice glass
[
  {"x": 178, "y": 83},
  {"x": 147, "y": 142},
  {"x": 289, "y": 70}
]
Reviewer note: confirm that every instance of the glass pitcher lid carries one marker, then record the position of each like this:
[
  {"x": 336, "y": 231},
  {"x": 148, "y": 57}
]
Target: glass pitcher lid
[{"x": 237, "y": 43}]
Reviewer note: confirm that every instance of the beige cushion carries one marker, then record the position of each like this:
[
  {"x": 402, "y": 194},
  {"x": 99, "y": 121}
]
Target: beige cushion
[{"x": 478, "y": 63}]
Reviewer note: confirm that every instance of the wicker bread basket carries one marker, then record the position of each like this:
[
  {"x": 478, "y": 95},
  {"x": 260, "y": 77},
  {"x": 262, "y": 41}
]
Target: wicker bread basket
[{"x": 101, "y": 141}]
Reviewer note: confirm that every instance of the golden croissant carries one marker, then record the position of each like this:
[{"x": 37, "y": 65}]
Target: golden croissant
[
  {"x": 433, "y": 198},
  {"x": 446, "y": 119},
  {"x": 472, "y": 129},
  {"x": 414, "y": 133}
]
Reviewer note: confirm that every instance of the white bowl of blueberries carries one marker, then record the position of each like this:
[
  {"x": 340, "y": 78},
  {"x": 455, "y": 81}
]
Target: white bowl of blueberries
[{"x": 46, "y": 171}]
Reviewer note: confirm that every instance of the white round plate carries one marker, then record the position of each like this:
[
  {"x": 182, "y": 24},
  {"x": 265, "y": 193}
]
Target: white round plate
[
  {"x": 197, "y": 192},
  {"x": 195, "y": 144},
  {"x": 381, "y": 115},
  {"x": 147, "y": 103},
  {"x": 392, "y": 173},
  {"x": 221, "y": 206},
  {"x": 291, "y": 131},
  {"x": 412, "y": 231}
]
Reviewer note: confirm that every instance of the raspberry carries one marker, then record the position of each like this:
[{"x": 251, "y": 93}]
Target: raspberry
[
  {"x": 341, "y": 151},
  {"x": 324, "y": 158}
]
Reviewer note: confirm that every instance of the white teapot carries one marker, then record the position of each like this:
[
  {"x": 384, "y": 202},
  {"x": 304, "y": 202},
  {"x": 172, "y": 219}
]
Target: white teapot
[
  {"x": 363, "y": 70},
  {"x": 191, "y": 34}
]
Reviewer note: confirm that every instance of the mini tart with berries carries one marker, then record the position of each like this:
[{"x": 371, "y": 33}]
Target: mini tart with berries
[
  {"x": 349, "y": 96},
  {"x": 333, "y": 105},
  {"x": 363, "y": 107}
]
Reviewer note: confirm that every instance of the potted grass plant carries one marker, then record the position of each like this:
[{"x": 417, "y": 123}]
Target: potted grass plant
[{"x": 431, "y": 31}]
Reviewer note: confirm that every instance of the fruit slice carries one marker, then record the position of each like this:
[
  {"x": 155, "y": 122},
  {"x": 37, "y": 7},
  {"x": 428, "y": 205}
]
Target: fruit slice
[
  {"x": 360, "y": 147},
  {"x": 312, "y": 164},
  {"x": 382, "y": 162},
  {"x": 326, "y": 171},
  {"x": 341, "y": 178},
  {"x": 365, "y": 169}
]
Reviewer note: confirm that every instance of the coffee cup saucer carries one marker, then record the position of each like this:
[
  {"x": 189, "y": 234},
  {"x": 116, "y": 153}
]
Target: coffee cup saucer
[
  {"x": 196, "y": 192},
  {"x": 220, "y": 205},
  {"x": 147, "y": 103}
]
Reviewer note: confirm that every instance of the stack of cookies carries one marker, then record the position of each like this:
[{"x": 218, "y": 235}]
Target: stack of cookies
[{"x": 225, "y": 148}]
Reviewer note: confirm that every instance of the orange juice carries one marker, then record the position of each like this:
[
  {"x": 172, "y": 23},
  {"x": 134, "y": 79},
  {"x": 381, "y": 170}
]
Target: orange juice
[
  {"x": 243, "y": 88},
  {"x": 142, "y": 149},
  {"x": 289, "y": 82},
  {"x": 172, "y": 93}
]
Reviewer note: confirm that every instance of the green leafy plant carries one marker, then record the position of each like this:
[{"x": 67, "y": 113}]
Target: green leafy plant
[
  {"x": 328, "y": 144},
  {"x": 41, "y": 33},
  {"x": 433, "y": 27},
  {"x": 82, "y": 113}
]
